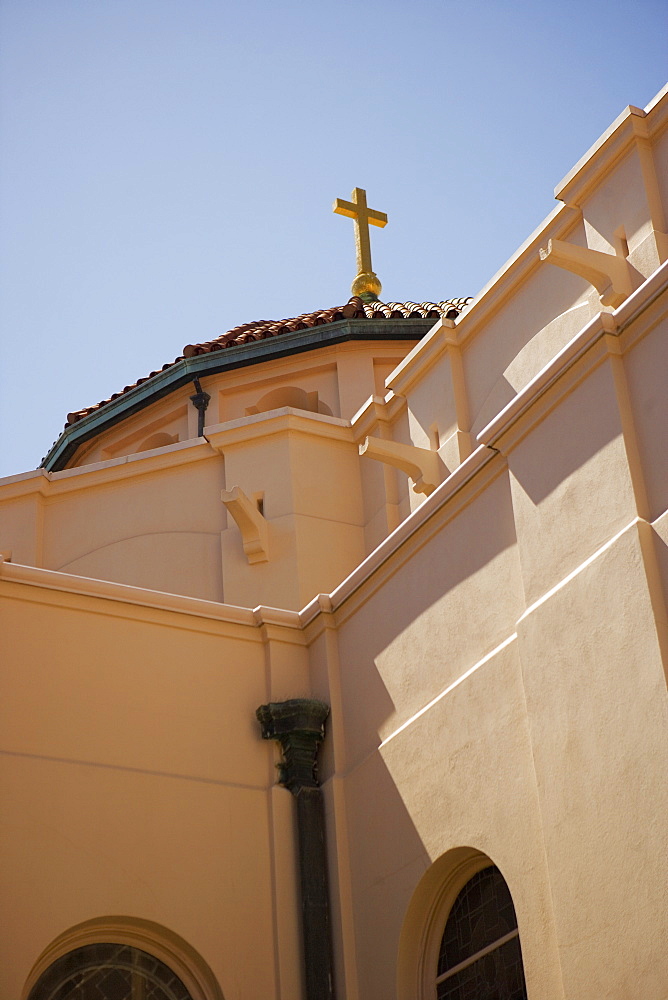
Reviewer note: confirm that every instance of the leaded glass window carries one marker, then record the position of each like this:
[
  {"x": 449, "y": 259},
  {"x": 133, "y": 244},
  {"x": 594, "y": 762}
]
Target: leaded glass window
[
  {"x": 480, "y": 956},
  {"x": 109, "y": 972}
]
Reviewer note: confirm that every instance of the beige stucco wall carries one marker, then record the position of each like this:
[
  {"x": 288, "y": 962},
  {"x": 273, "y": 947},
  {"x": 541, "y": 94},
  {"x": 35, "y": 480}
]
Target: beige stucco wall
[
  {"x": 494, "y": 654},
  {"x": 511, "y": 697},
  {"x": 135, "y": 782}
]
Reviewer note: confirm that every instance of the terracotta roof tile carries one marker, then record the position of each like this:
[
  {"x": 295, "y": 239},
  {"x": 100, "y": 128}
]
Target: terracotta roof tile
[{"x": 248, "y": 333}]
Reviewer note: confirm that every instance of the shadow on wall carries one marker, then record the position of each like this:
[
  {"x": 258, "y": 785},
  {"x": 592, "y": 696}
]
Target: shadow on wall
[
  {"x": 426, "y": 632},
  {"x": 431, "y": 619},
  {"x": 456, "y": 597},
  {"x": 659, "y": 541},
  {"x": 568, "y": 438},
  {"x": 543, "y": 318}
]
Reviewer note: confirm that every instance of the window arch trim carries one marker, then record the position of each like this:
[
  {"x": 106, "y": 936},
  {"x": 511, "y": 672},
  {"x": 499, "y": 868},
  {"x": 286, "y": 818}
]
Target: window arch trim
[
  {"x": 425, "y": 919},
  {"x": 145, "y": 935}
]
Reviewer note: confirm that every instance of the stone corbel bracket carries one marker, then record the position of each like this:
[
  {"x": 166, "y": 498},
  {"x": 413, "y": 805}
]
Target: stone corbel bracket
[
  {"x": 251, "y": 523},
  {"x": 609, "y": 274},
  {"x": 423, "y": 466}
]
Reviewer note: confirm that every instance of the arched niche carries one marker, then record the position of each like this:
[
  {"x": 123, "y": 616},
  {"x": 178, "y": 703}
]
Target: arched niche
[
  {"x": 158, "y": 440},
  {"x": 289, "y": 395},
  {"x": 433, "y": 903},
  {"x": 82, "y": 943}
]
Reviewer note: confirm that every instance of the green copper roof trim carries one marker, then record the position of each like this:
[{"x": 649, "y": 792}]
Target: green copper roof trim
[{"x": 227, "y": 359}]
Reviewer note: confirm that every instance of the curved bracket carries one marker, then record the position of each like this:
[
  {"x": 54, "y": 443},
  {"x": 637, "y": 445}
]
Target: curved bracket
[
  {"x": 424, "y": 467},
  {"x": 252, "y": 524},
  {"x": 609, "y": 274}
]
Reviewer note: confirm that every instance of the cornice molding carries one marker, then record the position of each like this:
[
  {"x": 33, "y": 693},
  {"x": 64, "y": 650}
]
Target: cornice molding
[
  {"x": 467, "y": 474},
  {"x": 527, "y": 407},
  {"x": 260, "y": 426},
  {"x": 255, "y": 619},
  {"x": 242, "y": 355},
  {"x": 437, "y": 342},
  {"x": 632, "y": 124},
  {"x": 54, "y": 484},
  {"x": 559, "y": 224},
  {"x": 313, "y": 615},
  {"x": 375, "y": 412}
]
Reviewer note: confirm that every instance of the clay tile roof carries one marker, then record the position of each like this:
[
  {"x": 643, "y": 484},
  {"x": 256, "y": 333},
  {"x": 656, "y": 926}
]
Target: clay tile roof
[{"x": 247, "y": 333}]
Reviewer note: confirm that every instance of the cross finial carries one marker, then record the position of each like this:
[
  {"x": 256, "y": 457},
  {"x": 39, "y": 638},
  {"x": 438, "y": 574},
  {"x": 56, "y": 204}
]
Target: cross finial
[{"x": 366, "y": 284}]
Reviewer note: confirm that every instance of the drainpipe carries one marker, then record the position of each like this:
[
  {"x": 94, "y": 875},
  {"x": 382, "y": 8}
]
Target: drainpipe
[
  {"x": 299, "y": 726},
  {"x": 200, "y": 401}
]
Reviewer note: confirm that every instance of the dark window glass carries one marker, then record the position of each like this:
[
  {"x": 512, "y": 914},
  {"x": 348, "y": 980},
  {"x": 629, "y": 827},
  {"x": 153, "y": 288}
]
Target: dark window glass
[
  {"x": 108, "y": 972},
  {"x": 480, "y": 956}
]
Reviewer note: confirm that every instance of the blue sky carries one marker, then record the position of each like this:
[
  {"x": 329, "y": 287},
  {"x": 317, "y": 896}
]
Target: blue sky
[{"x": 168, "y": 166}]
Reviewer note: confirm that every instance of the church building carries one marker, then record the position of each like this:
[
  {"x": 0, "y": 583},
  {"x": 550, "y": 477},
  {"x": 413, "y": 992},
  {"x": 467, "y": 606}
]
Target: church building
[{"x": 334, "y": 652}]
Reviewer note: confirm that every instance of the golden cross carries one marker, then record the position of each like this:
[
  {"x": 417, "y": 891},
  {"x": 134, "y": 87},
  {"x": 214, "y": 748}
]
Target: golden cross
[{"x": 366, "y": 281}]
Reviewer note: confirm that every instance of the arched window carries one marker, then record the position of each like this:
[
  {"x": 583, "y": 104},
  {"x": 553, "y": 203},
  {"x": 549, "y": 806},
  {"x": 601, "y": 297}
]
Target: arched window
[
  {"x": 480, "y": 956},
  {"x": 108, "y": 972}
]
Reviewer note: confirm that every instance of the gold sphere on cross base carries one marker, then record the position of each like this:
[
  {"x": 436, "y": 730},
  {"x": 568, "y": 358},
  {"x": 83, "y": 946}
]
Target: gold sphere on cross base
[{"x": 366, "y": 283}]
